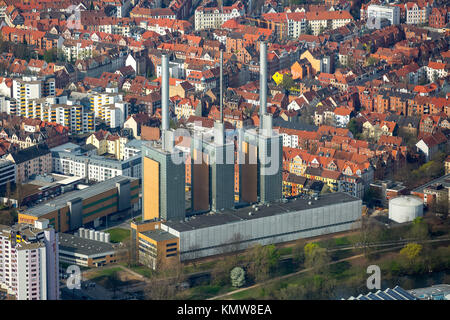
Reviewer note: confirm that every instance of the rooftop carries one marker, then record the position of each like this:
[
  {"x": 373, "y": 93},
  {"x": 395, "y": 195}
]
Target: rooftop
[
  {"x": 61, "y": 201},
  {"x": 159, "y": 235},
  {"x": 231, "y": 216},
  {"x": 76, "y": 244}
]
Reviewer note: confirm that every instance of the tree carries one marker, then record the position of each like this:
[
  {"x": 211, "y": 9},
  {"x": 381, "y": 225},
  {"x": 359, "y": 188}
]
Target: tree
[
  {"x": 411, "y": 251},
  {"x": 354, "y": 127},
  {"x": 237, "y": 276},
  {"x": 261, "y": 261},
  {"x": 419, "y": 229},
  {"x": 51, "y": 55},
  {"x": 316, "y": 257},
  {"x": 287, "y": 83},
  {"x": 298, "y": 252}
]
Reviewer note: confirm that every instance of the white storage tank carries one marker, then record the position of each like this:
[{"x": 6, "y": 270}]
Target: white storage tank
[
  {"x": 102, "y": 237},
  {"x": 405, "y": 208},
  {"x": 92, "y": 234},
  {"x": 97, "y": 235},
  {"x": 81, "y": 232},
  {"x": 107, "y": 237},
  {"x": 86, "y": 233}
]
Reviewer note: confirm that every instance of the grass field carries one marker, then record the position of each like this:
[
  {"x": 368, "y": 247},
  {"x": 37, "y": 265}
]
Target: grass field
[{"x": 118, "y": 234}]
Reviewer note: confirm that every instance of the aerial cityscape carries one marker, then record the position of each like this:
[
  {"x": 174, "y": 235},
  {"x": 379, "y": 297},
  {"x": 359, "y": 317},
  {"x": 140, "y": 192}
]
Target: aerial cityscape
[{"x": 224, "y": 150}]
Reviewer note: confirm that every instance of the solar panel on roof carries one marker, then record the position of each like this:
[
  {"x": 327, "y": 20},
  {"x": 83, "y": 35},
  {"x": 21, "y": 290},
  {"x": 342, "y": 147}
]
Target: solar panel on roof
[
  {"x": 372, "y": 296},
  {"x": 383, "y": 296},
  {"x": 394, "y": 294},
  {"x": 404, "y": 293},
  {"x": 361, "y": 297}
]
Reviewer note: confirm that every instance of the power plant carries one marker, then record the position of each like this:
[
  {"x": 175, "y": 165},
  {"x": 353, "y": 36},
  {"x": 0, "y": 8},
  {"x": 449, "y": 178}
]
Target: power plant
[
  {"x": 163, "y": 186},
  {"x": 218, "y": 221}
]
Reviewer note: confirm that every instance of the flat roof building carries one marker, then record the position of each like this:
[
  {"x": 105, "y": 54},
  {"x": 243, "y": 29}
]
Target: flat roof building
[
  {"x": 213, "y": 233},
  {"x": 85, "y": 252},
  {"x": 75, "y": 209}
]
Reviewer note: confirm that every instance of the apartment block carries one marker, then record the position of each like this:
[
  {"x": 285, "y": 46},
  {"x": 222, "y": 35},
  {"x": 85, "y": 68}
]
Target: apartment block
[{"x": 29, "y": 264}]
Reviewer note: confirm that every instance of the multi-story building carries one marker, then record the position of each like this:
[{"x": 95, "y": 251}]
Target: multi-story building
[
  {"x": 35, "y": 160},
  {"x": 86, "y": 252},
  {"x": 438, "y": 17},
  {"x": 214, "y": 17},
  {"x": 27, "y": 88},
  {"x": 391, "y": 13},
  {"x": 69, "y": 159},
  {"x": 29, "y": 264},
  {"x": 7, "y": 172},
  {"x": 296, "y": 22},
  {"x": 417, "y": 13},
  {"x": 109, "y": 107},
  {"x": 321, "y": 20},
  {"x": 106, "y": 142},
  {"x": 75, "y": 50},
  {"x": 89, "y": 206}
]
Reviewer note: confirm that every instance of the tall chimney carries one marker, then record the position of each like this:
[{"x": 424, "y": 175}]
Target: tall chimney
[
  {"x": 164, "y": 96},
  {"x": 221, "y": 86},
  {"x": 262, "y": 81}
]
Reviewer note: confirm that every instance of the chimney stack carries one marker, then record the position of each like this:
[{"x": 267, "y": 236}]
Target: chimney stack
[
  {"x": 164, "y": 97},
  {"x": 262, "y": 81},
  {"x": 221, "y": 86}
]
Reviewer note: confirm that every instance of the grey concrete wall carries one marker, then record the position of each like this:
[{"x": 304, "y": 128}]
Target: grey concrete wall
[{"x": 268, "y": 230}]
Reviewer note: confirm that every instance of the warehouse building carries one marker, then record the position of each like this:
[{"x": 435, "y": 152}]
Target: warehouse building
[
  {"x": 232, "y": 230},
  {"x": 82, "y": 207}
]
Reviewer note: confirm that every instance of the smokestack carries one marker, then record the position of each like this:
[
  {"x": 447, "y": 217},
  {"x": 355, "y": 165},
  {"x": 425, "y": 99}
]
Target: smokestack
[
  {"x": 164, "y": 98},
  {"x": 262, "y": 81},
  {"x": 221, "y": 86},
  {"x": 165, "y": 92}
]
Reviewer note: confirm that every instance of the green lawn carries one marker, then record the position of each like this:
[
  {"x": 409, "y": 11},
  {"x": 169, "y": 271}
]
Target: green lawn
[
  {"x": 99, "y": 274},
  {"x": 118, "y": 234},
  {"x": 143, "y": 271}
]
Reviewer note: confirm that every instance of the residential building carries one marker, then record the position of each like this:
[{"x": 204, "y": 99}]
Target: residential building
[
  {"x": 29, "y": 261},
  {"x": 391, "y": 13},
  {"x": 214, "y": 17},
  {"x": 36, "y": 160},
  {"x": 69, "y": 159}
]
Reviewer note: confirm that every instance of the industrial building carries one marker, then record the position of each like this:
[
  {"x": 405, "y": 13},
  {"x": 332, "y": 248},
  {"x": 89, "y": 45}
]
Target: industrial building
[
  {"x": 29, "y": 261},
  {"x": 87, "y": 206},
  {"x": 81, "y": 251},
  {"x": 212, "y": 156},
  {"x": 163, "y": 186},
  {"x": 261, "y": 154},
  {"x": 238, "y": 229},
  {"x": 405, "y": 208}
]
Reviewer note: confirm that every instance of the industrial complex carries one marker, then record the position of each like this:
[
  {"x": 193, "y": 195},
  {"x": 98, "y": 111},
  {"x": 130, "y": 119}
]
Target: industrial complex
[{"x": 216, "y": 223}]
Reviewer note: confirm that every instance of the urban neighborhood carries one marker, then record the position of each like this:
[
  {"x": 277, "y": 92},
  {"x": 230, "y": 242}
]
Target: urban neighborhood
[{"x": 224, "y": 150}]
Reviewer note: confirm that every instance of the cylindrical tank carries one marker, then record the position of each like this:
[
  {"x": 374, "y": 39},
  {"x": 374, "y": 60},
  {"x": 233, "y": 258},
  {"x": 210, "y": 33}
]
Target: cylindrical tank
[
  {"x": 107, "y": 237},
  {"x": 405, "y": 208},
  {"x": 97, "y": 235},
  {"x": 102, "y": 237},
  {"x": 81, "y": 232},
  {"x": 92, "y": 234},
  {"x": 86, "y": 233}
]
